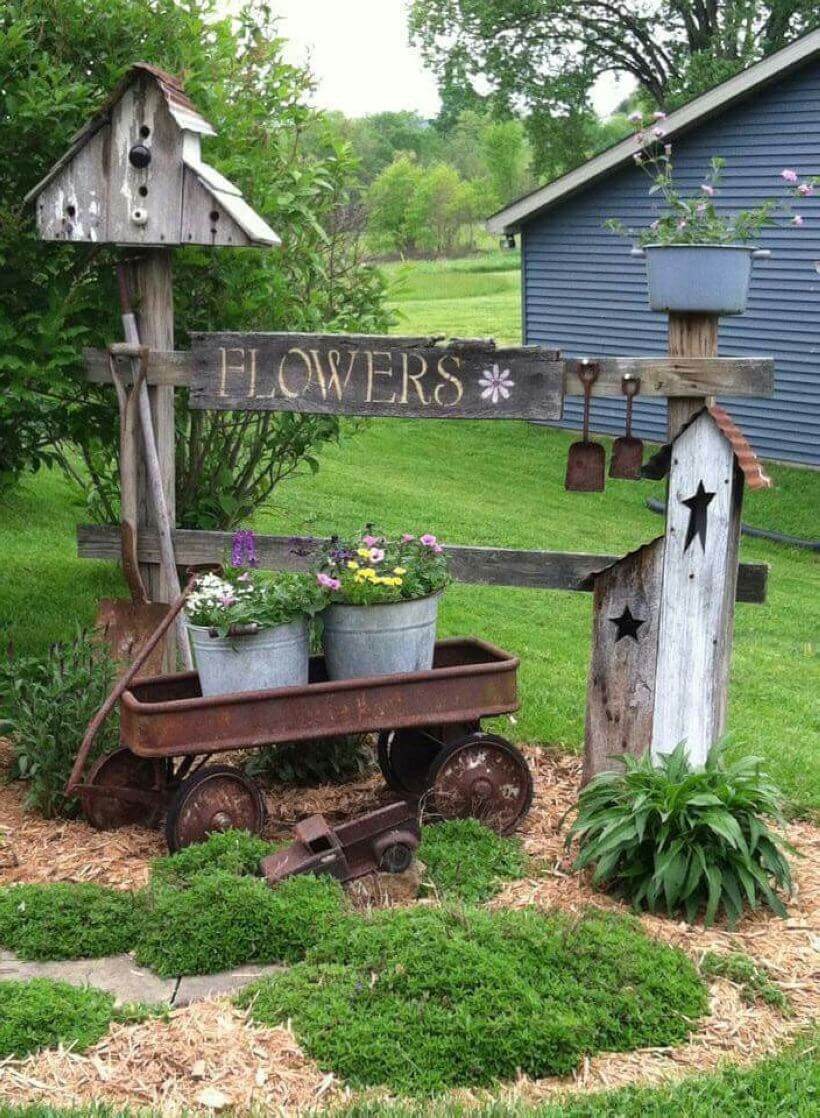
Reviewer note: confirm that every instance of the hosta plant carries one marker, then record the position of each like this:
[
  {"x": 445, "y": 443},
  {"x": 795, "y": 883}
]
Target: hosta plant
[{"x": 665, "y": 835}]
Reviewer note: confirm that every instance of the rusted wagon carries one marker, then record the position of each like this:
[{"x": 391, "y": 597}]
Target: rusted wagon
[{"x": 431, "y": 747}]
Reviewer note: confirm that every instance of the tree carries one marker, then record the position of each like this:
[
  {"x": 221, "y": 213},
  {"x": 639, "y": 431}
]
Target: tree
[
  {"x": 507, "y": 156},
  {"x": 442, "y": 203},
  {"x": 540, "y": 57},
  {"x": 390, "y": 204},
  {"x": 59, "y": 60}
]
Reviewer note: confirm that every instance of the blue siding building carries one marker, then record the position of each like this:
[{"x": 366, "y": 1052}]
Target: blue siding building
[{"x": 584, "y": 294}]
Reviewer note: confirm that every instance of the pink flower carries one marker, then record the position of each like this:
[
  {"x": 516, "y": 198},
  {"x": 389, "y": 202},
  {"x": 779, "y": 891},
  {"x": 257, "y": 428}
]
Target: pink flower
[
  {"x": 659, "y": 133},
  {"x": 407, "y": 538},
  {"x": 370, "y": 541},
  {"x": 707, "y": 188},
  {"x": 805, "y": 189},
  {"x": 635, "y": 117},
  {"x": 328, "y": 582},
  {"x": 245, "y": 577},
  {"x": 428, "y": 540},
  {"x": 655, "y": 226},
  {"x": 659, "y": 116},
  {"x": 682, "y": 223},
  {"x": 789, "y": 175},
  {"x": 700, "y": 209},
  {"x": 376, "y": 554},
  {"x": 640, "y": 137},
  {"x": 798, "y": 220},
  {"x": 227, "y": 599},
  {"x": 438, "y": 549}
]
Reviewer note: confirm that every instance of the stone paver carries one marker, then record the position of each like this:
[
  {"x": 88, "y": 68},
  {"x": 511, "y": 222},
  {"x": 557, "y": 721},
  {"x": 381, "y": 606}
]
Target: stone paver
[
  {"x": 198, "y": 986},
  {"x": 117, "y": 974}
]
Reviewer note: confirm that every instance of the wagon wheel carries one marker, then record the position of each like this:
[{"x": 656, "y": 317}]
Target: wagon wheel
[
  {"x": 405, "y": 756},
  {"x": 216, "y": 798},
  {"x": 122, "y": 769},
  {"x": 484, "y": 776},
  {"x": 396, "y": 858}
]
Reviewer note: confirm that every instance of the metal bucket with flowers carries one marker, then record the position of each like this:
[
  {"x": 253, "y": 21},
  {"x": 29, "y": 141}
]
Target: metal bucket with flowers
[
  {"x": 384, "y": 596},
  {"x": 250, "y": 629},
  {"x": 698, "y": 256}
]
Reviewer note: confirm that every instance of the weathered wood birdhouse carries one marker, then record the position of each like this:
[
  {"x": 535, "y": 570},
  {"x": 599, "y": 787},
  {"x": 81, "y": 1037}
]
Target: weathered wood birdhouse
[
  {"x": 134, "y": 175},
  {"x": 663, "y": 615}
]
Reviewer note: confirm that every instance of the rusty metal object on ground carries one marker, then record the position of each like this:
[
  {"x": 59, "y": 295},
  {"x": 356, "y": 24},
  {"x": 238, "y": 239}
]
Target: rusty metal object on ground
[
  {"x": 383, "y": 840},
  {"x": 627, "y": 451},
  {"x": 123, "y": 790},
  {"x": 380, "y": 890},
  {"x": 482, "y": 776},
  {"x": 586, "y": 461},
  {"x": 216, "y": 798}
]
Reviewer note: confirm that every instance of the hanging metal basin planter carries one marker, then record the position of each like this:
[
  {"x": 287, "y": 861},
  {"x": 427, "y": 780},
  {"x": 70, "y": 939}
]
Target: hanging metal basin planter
[
  {"x": 259, "y": 660},
  {"x": 699, "y": 279},
  {"x": 387, "y": 639}
]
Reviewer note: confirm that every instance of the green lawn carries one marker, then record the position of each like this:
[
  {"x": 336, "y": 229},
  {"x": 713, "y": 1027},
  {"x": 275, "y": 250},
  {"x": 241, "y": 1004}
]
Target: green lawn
[{"x": 484, "y": 483}]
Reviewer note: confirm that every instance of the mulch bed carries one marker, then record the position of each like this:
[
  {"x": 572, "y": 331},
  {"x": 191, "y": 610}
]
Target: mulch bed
[{"x": 179, "y": 1063}]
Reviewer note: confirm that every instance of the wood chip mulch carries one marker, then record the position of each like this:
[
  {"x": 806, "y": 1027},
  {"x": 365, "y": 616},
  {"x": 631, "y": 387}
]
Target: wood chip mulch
[{"x": 151, "y": 1064}]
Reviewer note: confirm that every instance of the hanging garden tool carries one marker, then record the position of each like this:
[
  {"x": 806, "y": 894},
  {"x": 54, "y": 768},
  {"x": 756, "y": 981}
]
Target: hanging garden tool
[
  {"x": 586, "y": 462},
  {"x": 627, "y": 452}
]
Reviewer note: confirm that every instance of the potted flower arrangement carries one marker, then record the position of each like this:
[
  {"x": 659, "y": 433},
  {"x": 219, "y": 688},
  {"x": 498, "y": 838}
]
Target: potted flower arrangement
[
  {"x": 250, "y": 630},
  {"x": 384, "y": 597},
  {"x": 699, "y": 259}
]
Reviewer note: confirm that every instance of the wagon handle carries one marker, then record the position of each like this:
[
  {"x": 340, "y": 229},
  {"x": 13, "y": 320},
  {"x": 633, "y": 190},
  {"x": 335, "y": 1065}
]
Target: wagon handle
[{"x": 122, "y": 685}]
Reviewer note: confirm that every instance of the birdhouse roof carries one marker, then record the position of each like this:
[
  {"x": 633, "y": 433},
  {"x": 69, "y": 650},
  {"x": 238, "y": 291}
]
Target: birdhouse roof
[{"x": 658, "y": 466}]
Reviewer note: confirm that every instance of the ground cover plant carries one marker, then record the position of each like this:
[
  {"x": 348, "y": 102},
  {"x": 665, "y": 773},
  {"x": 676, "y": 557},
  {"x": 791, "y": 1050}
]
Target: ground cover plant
[
  {"x": 755, "y": 982},
  {"x": 423, "y": 999},
  {"x": 232, "y": 852},
  {"x": 42, "y": 1013},
  {"x": 666, "y": 835},
  {"x": 67, "y": 920},
  {"x": 221, "y": 921},
  {"x": 464, "y": 860}
]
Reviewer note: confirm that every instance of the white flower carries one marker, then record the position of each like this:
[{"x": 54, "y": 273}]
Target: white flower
[{"x": 495, "y": 384}]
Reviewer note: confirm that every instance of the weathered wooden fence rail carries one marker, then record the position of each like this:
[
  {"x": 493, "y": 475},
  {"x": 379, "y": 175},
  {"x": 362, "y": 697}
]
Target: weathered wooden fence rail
[{"x": 489, "y": 566}]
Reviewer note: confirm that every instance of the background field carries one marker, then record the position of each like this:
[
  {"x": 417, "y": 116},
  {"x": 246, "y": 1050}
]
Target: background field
[{"x": 483, "y": 483}]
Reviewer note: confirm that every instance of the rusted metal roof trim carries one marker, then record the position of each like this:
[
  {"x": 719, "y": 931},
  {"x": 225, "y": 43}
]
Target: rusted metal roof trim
[
  {"x": 658, "y": 465},
  {"x": 588, "y": 583}
]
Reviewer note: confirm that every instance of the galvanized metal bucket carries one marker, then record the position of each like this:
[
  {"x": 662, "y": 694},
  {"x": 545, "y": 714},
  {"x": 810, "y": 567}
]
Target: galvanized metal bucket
[
  {"x": 699, "y": 279},
  {"x": 276, "y": 657},
  {"x": 388, "y": 639}
]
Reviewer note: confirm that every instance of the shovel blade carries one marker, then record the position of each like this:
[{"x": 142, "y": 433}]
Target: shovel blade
[
  {"x": 627, "y": 458},
  {"x": 586, "y": 468},
  {"x": 125, "y": 626}
]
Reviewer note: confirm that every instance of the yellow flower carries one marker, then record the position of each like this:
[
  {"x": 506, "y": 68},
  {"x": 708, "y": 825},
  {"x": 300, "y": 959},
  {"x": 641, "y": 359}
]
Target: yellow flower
[
  {"x": 369, "y": 574},
  {"x": 363, "y": 552},
  {"x": 399, "y": 571},
  {"x": 352, "y": 565}
]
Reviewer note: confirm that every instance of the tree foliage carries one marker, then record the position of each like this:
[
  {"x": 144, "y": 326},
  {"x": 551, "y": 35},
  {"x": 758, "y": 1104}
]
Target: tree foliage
[
  {"x": 540, "y": 57},
  {"x": 59, "y": 60}
]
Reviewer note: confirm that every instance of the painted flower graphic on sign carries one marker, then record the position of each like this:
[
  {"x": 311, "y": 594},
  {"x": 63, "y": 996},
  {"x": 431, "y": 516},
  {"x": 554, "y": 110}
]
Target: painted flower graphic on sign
[{"x": 495, "y": 384}]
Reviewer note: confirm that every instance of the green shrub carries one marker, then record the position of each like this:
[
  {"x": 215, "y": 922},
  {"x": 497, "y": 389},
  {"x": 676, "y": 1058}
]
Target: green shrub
[
  {"x": 683, "y": 839},
  {"x": 42, "y": 1013},
  {"x": 424, "y": 999},
  {"x": 49, "y": 702},
  {"x": 221, "y": 921},
  {"x": 467, "y": 861},
  {"x": 64, "y": 920},
  {"x": 311, "y": 763},
  {"x": 754, "y": 981},
  {"x": 237, "y": 853}
]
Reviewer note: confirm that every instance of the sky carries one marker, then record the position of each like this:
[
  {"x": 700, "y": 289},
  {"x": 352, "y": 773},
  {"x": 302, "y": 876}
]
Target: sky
[{"x": 359, "y": 54}]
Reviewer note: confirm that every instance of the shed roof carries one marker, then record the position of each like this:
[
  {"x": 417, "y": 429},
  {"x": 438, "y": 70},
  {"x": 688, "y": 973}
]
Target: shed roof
[
  {"x": 658, "y": 465},
  {"x": 714, "y": 101}
]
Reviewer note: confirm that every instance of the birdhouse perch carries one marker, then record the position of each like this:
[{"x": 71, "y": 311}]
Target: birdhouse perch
[{"x": 134, "y": 175}]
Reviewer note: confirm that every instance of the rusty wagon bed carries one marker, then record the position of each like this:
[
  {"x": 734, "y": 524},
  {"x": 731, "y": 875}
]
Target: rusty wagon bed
[{"x": 431, "y": 747}]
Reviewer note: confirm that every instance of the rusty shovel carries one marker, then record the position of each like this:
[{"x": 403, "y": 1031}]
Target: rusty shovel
[
  {"x": 627, "y": 452},
  {"x": 586, "y": 462}
]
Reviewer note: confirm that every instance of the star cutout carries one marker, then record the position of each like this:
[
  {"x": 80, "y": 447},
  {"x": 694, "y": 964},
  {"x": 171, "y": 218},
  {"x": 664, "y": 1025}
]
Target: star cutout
[
  {"x": 627, "y": 625},
  {"x": 697, "y": 506}
]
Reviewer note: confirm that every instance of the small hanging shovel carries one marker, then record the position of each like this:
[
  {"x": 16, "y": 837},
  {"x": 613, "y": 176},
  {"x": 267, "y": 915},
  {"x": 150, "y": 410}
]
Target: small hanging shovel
[
  {"x": 586, "y": 462},
  {"x": 627, "y": 453}
]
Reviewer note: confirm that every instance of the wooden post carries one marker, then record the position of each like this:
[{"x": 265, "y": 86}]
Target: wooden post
[
  {"x": 155, "y": 295},
  {"x": 690, "y": 335}
]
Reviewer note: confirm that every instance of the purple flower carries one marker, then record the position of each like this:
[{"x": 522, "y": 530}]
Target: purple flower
[
  {"x": 805, "y": 189},
  {"x": 328, "y": 582},
  {"x": 635, "y": 117},
  {"x": 227, "y": 599},
  {"x": 707, "y": 188},
  {"x": 659, "y": 116},
  {"x": 376, "y": 554},
  {"x": 428, "y": 540},
  {"x": 659, "y": 133},
  {"x": 797, "y": 220},
  {"x": 243, "y": 550},
  {"x": 789, "y": 175},
  {"x": 407, "y": 538},
  {"x": 370, "y": 541}
]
